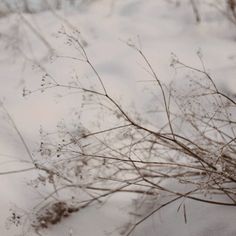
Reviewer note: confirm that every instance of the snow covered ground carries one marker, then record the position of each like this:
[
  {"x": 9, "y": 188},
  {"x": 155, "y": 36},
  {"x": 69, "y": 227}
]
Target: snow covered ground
[{"x": 160, "y": 28}]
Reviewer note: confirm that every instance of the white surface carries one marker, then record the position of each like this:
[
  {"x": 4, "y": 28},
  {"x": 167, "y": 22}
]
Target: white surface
[{"x": 162, "y": 29}]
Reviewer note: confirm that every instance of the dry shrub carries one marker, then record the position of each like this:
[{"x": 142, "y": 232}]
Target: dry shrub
[{"x": 191, "y": 144}]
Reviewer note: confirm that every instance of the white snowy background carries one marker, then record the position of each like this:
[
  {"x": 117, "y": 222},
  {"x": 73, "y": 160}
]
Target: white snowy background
[{"x": 161, "y": 27}]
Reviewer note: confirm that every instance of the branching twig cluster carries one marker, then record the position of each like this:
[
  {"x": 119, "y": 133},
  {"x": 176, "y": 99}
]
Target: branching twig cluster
[{"x": 193, "y": 146}]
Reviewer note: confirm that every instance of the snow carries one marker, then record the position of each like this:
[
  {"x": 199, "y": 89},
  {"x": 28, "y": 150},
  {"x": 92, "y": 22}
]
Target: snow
[{"x": 160, "y": 28}]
